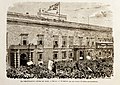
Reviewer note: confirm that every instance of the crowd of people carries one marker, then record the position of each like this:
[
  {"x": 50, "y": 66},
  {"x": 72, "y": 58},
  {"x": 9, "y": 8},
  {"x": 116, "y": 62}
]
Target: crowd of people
[{"x": 87, "y": 69}]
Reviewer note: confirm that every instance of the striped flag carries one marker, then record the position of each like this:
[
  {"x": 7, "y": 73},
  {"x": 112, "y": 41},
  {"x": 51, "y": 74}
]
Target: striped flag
[{"x": 54, "y": 6}]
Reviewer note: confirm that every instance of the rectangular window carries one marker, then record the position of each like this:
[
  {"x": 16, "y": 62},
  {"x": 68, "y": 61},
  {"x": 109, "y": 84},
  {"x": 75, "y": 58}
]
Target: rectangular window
[
  {"x": 24, "y": 39},
  {"x": 55, "y": 44},
  {"x": 70, "y": 54},
  {"x": 99, "y": 53},
  {"x": 64, "y": 55},
  {"x": 71, "y": 41},
  {"x": 55, "y": 56},
  {"x": 39, "y": 56},
  {"x": 24, "y": 42},
  {"x": 92, "y": 43},
  {"x": 64, "y": 41},
  {"x": 55, "y": 41},
  {"x": 81, "y": 57},
  {"x": 88, "y": 43},
  {"x": 40, "y": 40}
]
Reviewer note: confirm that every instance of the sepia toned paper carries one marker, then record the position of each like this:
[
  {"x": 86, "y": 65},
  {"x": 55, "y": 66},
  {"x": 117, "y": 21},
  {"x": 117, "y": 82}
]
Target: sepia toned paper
[{"x": 60, "y": 42}]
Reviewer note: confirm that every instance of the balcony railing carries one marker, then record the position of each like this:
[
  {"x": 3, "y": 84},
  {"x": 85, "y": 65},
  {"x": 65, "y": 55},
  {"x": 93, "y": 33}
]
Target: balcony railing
[{"x": 25, "y": 46}]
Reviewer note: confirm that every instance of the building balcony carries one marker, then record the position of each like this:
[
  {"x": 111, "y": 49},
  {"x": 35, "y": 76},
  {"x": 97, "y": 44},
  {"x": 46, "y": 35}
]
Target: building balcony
[
  {"x": 25, "y": 47},
  {"x": 105, "y": 45},
  {"x": 83, "y": 47}
]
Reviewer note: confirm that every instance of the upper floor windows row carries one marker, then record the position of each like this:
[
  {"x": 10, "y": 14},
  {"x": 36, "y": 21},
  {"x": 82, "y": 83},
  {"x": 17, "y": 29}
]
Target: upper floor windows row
[
  {"x": 64, "y": 41},
  {"x": 40, "y": 40}
]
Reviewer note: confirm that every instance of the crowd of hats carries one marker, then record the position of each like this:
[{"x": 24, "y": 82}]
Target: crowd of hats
[
  {"x": 100, "y": 68},
  {"x": 30, "y": 72}
]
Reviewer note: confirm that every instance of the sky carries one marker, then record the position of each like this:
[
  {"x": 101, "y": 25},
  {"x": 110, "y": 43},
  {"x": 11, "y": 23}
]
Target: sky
[{"x": 92, "y": 13}]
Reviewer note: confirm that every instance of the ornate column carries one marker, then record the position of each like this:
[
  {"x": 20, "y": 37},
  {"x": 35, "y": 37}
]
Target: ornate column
[
  {"x": 18, "y": 55},
  {"x": 15, "y": 59},
  {"x": 29, "y": 56},
  {"x": 29, "y": 53}
]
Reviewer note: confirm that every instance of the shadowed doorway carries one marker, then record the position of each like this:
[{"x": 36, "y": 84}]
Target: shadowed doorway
[{"x": 23, "y": 59}]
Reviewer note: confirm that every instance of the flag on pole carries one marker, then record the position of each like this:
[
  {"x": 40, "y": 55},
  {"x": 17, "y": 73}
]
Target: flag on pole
[{"x": 54, "y": 6}]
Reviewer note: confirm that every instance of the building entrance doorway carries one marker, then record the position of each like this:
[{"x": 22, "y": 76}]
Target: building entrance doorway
[
  {"x": 81, "y": 57},
  {"x": 23, "y": 59}
]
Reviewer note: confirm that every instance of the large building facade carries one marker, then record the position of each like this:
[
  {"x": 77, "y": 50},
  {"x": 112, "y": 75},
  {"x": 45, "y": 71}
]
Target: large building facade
[{"x": 36, "y": 39}]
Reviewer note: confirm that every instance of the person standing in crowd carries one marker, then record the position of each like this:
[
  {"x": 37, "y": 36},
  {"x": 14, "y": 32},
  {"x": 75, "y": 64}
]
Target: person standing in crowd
[
  {"x": 77, "y": 65},
  {"x": 54, "y": 67}
]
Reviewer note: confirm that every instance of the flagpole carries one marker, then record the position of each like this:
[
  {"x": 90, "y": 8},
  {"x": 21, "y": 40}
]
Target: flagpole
[{"x": 59, "y": 10}]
